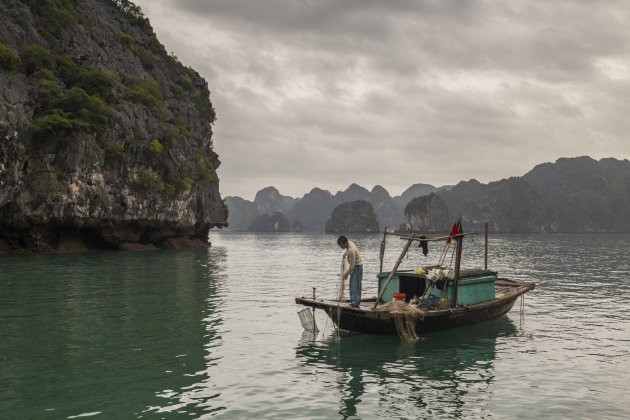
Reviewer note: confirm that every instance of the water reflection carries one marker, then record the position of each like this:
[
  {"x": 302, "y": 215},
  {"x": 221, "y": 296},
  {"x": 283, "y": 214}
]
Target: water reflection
[
  {"x": 438, "y": 375},
  {"x": 198, "y": 398},
  {"x": 112, "y": 333},
  {"x": 212, "y": 333}
]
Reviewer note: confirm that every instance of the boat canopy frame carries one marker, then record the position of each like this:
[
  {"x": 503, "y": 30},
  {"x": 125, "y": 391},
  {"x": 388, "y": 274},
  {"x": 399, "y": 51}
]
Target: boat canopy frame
[{"x": 411, "y": 237}]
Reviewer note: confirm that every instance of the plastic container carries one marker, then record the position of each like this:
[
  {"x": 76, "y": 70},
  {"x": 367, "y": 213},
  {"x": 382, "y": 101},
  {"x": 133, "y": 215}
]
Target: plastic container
[
  {"x": 399, "y": 296},
  {"x": 433, "y": 299}
]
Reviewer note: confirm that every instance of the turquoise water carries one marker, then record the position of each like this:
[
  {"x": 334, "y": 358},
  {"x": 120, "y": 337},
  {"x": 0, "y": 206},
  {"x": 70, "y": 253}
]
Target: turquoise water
[{"x": 214, "y": 332}]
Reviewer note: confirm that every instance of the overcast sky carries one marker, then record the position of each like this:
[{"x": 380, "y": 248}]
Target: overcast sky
[{"x": 324, "y": 93}]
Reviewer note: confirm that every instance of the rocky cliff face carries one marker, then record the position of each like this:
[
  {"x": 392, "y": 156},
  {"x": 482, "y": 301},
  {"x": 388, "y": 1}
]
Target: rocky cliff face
[
  {"x": 509, "y": 205},
  {"x": 311, "y": 212},
  {"x": 388, "y": 212},
  {"x": 416, "y": 190},
  {"x": 275, "y": 222},
  {"x": 571, "y": 195},
  {"x": 241, "y": 213},
  {"x": 269, "y": 200},
  {"x": 355, "y": 216},
  {"x": 428, "y": 213},
  {"x": 105, "y": 139},
  {"x": 585, "y": 195},
  {"x": 267, "y": 213}
]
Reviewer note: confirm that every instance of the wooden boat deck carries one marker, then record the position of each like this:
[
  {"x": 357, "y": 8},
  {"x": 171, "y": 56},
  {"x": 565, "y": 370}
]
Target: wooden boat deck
[{"x": 505, "y": 289}]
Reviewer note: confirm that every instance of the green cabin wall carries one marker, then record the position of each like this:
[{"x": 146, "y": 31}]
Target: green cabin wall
[
  {"x": 471, "y": 291},
  {"x": 392, "y": 287}
]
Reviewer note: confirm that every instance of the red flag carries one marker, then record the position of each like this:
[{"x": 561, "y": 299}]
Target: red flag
[{"x": 455, "y": 230}]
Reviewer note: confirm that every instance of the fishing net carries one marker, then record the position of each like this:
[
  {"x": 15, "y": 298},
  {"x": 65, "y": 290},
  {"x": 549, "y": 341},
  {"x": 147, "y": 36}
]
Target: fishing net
[
  {"x": 400, "y": 307},
  {"x": 406, "y": 326},
  {"x": 308, "y": 320},
  {"x": 405, "y": 317}
]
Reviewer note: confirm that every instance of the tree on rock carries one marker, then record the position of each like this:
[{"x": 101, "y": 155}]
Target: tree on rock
[
  {"x": 428, "y": 213},
  {"x": 355, "y": 216}
]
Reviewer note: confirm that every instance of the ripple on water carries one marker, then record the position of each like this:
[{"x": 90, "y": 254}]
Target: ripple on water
[{"x": 208, "y": 333}]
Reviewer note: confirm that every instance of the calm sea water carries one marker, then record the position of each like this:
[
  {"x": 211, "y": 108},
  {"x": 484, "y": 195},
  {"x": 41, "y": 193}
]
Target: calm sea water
[{"x": 214, "y": 332}]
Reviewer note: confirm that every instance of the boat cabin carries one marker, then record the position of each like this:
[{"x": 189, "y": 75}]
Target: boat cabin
[{"x": 475, "y": 286}]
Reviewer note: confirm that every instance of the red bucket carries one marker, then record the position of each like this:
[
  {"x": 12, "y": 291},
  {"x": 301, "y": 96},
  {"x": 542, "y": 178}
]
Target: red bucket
[{"x": 399, "y": 296}]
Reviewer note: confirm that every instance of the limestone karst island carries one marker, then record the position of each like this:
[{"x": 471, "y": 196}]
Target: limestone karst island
[
  {"x": 106, "y": 139},
  {"x": 246, "y": 209}
]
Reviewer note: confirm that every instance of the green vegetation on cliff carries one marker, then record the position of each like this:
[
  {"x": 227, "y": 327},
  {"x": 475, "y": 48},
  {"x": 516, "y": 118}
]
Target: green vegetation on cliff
[
  {"x": 71, "y": 98},
  {"x": 428, "y": 213},
  {"x": 102, "y": 124},
  {"x": 355, "y": 216},
  {"x": 585, "y": 194},
  {"x": 55, "y": 15},
  {"x": 68, "y": 98},
  {"x": 8, "y": 59}
]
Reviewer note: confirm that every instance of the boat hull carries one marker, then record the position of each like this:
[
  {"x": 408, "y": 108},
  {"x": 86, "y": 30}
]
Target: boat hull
[{"x": 355, "y": 322}]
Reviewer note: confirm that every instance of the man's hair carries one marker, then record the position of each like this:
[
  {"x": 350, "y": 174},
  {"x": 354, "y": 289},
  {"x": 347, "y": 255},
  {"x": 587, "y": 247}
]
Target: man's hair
[{"x": 342, "y": 240}]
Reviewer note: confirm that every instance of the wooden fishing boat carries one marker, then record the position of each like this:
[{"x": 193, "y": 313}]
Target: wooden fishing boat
[{"x": 411, "y": 302}]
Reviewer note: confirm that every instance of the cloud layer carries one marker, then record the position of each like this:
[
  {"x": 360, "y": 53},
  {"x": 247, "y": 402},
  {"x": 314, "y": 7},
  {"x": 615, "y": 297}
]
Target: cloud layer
[{"x": 326, "y": 93}]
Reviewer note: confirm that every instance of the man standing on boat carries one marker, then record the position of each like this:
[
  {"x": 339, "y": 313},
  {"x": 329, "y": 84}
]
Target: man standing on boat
[{"x": 355, "y": 269}]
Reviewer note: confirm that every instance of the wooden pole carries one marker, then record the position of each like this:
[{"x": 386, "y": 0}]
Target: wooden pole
[
  {"x": 458, "y": 261},
  {"x": 382, "y": 253},
  {"x": 433, "y": 239},
  {"x": 391, "y": 273},
  {"x": 485, "y": 234}
]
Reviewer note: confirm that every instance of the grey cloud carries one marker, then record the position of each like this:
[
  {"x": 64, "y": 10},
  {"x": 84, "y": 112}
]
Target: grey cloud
[{"x": 326, "y": 93}]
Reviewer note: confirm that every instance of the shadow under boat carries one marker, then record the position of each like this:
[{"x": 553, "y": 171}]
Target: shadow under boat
[
  {"x": 432, "y": 368},
  {"x": 463, "y": 348}
]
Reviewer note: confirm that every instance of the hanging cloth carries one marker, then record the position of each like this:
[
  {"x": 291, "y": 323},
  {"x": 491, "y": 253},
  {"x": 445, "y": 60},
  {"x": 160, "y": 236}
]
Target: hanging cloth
[{"x": 424, "y": 245}]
